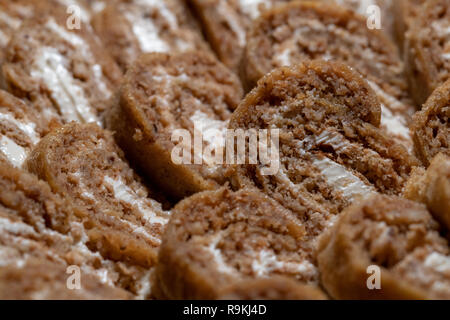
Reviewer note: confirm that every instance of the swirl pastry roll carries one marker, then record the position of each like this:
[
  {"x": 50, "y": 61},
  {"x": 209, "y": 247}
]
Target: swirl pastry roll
[
  {"x": 331, "y": 149},
  {"x": 63, "y": 74},
  {"x": 172, "y": 109},
  {"x": 226, "y": 22},
  {"x": 432, "y": 187},
  {"x": 218, "y": 238},
  {"x": 40, "y": 238},
  {"x": 304, "y": 30},
  {"x": 122, "y": 223},
  {"x": 385, "y": 248},
  {"x": 431, "y": 125},
  {"x": 130, "y": 28}
]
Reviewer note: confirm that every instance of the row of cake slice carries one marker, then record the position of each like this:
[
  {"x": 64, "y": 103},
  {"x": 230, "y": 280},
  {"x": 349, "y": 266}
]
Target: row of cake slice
[{"x": 332, "y": 153}]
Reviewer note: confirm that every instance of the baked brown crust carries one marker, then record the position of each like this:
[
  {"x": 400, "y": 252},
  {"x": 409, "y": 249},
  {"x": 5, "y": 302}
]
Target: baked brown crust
[
  {"x": 162, "y": 93},
  {"x": 43, "y": 280},
  {"x": 431, "y": 125},
  {"x": 432, "y": 187},
  {"x": 428, "y": 49},
  {"x": 216, "y": 238},
  {"x": 274, "y": 288},
  {"x": 397, "y": 236}
]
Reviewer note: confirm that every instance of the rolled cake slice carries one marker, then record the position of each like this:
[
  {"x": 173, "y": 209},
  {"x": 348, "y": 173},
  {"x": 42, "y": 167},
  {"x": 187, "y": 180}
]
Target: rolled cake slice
[
  {"x": 218, "y": 238},
  {"x": 130, "y": 28},
  {"x": 304, "y": 30},
  {"x": 37, "y": 225},
  {"x": 432, "y": 187},
  {"x": 385, "y": 248},
  {"x": 226, "y": 22},
  {"x": 20, "y": 129},
  {"x": 38, "y": 279},
  {"x": 431, "y": 125},
  {"x": 166, "y": 106},
  {"x": 83, "y": 162},
  {"x": 273, "y": 288},
  {"x": 330, "y": 150},
  {"x": 63, "y": 74},
  {"x": 428, "y": 49}
]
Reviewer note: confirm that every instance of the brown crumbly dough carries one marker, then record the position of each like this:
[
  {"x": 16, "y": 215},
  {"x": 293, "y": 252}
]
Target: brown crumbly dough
[
  {"x": 331, "y": 150},
  {"x": 162, "y": 93},
  {"x": 428, "y": 49},
  {"x": 432, "y": 187},
  {"x": 304, "y": 30},
  {"x": 20, "y": 129},
  {"x": 217, "y": 238},
  {"x": 398, "y": 236},
  {"x": 39, "y": 279},
  {"x": 273, "y": 288},
  {"x": 130, "y": 28},
  {"x": 226, "y": 22},
  {"x": 405, "y": 11},
  {"x": 431, "y": 125},
  {"x": 63, "y": 74},
  {"x": 38, "y": 226},
  {"x": 83, "y": 162},
  {"x": 13, "y": 13}
]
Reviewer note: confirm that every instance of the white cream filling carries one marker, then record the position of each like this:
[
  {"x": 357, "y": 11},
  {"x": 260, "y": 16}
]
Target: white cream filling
[
  {"x": 251, "y": 7},
  {"x": 28, "y": 128},
  {"x": 163, "y": 10},
  {"x": 4, "y": 39},
  {"x": 217, "y": 255},
  {"x": 394, "y": 124},
  {"x": 98, "y": 6},
  {"x": 16, "y": 228},
  {"x": 336, "y": 175},
  {"x": 13, "y": 152},
  {"x": 439, "y": 263},
  {"x": 267, "y": 262},
  {"x": 50, "y": 67},
  {"x": 10, "y": 21},
  {"x": 78, "y": 43},
  {"x": 144, "y": 286},
  {"x": 146, "y": 33},
  {"x": 224, "y": 9},
  {"x": 212, "y": 131},
  {"x": 124, "y": 193},
  {"x": 342, "y": 179}
]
